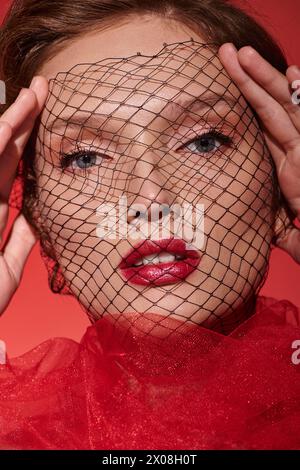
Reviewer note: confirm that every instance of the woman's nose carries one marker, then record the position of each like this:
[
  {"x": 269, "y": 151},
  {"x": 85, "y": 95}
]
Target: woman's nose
[{"x": 148, "y": 190}]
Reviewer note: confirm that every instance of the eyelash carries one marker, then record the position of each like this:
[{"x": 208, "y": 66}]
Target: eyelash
[
  {"x": 66, "y": 159},
  {"x": 215, "y": 133}
]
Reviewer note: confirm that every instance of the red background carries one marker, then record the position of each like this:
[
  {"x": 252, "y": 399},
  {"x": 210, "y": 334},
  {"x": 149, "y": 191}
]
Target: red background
[{"x": 36, "y": 314}]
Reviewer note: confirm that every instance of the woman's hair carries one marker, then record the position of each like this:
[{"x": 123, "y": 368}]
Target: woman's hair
[{"x": 35, "y": 30}]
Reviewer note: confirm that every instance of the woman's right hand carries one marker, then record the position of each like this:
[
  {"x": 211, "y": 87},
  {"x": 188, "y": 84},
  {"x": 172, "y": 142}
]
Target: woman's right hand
[{"x": 16, "y": 125}]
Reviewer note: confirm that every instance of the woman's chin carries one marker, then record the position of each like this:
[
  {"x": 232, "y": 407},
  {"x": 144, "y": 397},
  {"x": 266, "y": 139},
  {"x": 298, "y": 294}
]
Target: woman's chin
[{"x": 152, "y": 324}]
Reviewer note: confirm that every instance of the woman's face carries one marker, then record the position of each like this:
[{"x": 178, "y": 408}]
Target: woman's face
[{"x": 120, "y": 135}]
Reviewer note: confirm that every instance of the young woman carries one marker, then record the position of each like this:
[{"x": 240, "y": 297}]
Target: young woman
[{"x": 157, "y": 147}]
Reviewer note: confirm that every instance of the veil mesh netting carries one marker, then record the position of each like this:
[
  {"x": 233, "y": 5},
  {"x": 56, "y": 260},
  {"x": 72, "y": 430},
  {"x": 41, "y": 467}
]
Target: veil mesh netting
[
  {"x": 176, "y": 357},
  {"x": 171, "y": 134}
]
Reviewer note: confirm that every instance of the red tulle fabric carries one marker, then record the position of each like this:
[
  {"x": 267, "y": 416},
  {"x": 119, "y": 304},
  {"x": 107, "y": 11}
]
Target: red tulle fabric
[{"x": 116, "y": 390}]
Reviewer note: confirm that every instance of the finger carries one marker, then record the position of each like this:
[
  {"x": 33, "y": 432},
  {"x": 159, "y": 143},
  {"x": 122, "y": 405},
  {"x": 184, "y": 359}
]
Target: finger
[
  {"x": 5, "y": 135},
  {"x": 288, "y": 172},
  {"x": 3, "y": 219},
  {"x": 273, "y": 82},
  {"x": 11, "y": 121},
  {"x": 18, "y": 247},
  {"x": 20, "y": 118},
  {"x": 272, "y": 114},
  {"x": 14, "y": 115},
  {"x": 293, "y": 73}
]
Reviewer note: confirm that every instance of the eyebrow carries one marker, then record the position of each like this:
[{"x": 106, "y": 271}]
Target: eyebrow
[
  {"x": 192, "y": 104},
  {"x": 205, "y": 100}
]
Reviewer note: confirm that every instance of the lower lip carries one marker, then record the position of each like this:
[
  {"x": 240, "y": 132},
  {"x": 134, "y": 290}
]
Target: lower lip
[{"x": 162, "y": 273}]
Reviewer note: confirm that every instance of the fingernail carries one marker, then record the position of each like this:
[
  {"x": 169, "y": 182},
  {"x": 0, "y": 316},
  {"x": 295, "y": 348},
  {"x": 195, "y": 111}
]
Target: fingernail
[{"x": 33, "y": 83}]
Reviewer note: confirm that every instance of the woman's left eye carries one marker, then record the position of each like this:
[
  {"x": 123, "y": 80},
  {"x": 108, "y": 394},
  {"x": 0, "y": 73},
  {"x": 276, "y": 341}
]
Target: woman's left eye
[
  {"x": 85, "y": 160},
  {"x": 208, "y": 142},
  {"x": 81, "y": 159}
]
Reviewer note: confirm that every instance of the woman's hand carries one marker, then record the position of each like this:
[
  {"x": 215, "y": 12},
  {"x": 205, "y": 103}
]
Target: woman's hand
[
  {"x": 16, "y": 125},
  {"x": 269, "y": 93}
]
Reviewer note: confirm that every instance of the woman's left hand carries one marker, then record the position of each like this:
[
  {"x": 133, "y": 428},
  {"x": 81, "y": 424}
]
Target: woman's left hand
[{"x": 269, "y": 92}]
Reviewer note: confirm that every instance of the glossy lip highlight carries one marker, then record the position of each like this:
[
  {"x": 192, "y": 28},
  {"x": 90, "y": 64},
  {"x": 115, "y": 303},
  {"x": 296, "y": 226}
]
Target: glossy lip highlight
[{"x": 161, "y": 273}]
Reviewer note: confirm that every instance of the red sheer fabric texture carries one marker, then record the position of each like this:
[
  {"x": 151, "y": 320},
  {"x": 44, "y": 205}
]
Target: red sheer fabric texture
[{"x": 200, "y": 390}]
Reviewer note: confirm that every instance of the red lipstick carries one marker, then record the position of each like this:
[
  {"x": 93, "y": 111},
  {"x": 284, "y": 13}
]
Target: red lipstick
[{"x": 145, "y": 264}]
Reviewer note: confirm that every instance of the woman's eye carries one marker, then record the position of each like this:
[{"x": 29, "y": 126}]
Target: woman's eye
[
  {"x": 85, "y": 160},
  {"x": 208, "y": 143},
  {"x": 81, "y": 160}
]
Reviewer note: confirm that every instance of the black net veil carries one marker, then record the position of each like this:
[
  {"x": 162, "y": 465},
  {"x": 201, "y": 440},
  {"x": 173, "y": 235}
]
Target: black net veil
[{"x": 153, "y": 190}]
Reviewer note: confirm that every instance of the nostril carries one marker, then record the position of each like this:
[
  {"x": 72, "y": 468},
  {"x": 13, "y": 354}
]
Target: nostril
[
  {"x": 160, "y": 211},
  {"x": 154, "y": 213},
  {"x": 136, "y": 214}
]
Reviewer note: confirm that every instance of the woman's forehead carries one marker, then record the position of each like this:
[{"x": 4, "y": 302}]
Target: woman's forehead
[
  {"x": 177, "y": 74},
  {"x": 122, "y": 39},
  {"x": 185, "y": 61}
]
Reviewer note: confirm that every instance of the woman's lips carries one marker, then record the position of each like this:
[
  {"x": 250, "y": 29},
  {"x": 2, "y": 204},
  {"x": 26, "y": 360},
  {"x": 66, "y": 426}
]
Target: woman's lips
[{"x": 163, "y": 272}]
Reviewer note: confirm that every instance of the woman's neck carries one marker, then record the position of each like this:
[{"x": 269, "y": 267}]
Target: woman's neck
[{"x": 230, "y": 321}]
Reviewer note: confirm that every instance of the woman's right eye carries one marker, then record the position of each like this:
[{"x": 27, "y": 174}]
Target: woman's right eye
[{"x": 82, "y": 159}]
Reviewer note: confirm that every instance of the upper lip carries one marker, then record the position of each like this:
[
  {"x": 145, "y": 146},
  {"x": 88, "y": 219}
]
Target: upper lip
[{"x": 147, "y": 247}]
